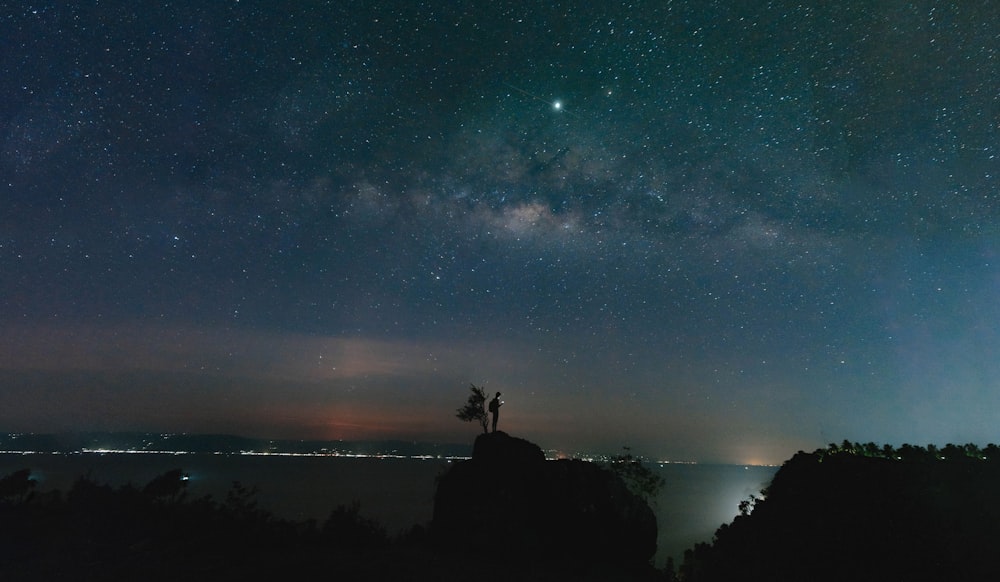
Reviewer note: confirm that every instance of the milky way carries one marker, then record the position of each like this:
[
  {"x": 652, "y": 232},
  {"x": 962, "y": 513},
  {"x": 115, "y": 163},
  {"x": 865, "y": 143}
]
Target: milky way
[{"x": 706, "y": 230}]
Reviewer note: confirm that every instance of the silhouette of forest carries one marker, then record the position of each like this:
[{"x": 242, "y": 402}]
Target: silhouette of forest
[
  {"x": 847, "y": 512},
  {"x": 864, "y": 512},
  {"x": 158, "y": 531}
]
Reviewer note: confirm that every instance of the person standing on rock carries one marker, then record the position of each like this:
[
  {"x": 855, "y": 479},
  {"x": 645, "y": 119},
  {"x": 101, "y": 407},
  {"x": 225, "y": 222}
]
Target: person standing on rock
[{"x": 495, "y": 405}]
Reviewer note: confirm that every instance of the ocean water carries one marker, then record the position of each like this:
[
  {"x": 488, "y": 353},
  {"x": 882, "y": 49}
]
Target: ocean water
[
  {"x": 697, "y": 499},
  {"x": 398, "y": 493}
]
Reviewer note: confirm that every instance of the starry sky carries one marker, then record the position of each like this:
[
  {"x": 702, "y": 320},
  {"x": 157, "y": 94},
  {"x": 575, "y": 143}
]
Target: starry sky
[{"x": 707, "y": 230}]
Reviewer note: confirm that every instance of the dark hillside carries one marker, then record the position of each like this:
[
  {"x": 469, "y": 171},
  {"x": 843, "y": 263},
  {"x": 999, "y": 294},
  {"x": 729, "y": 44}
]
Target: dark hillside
[
  {"x": 843, "y": 514},
  {"x": 507, "y": 514}
]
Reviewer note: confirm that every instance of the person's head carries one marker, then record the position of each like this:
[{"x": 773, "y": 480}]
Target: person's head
[{"x": 498, "y": 394}]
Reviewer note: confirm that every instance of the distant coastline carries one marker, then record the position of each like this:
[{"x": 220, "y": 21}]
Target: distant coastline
[
  {"x": 225, "y": 444},
  {"x": 182, "y": 443}
]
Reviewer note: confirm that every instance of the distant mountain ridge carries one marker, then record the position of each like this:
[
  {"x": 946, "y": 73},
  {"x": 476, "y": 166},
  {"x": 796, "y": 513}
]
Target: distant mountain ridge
[{"x": 142, "y": 442}]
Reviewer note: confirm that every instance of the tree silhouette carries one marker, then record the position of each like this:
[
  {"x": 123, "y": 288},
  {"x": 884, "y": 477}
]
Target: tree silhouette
[
  {"x": 475, "y": 408},
  {"x": 169, "y": 485},
  {"x": 346, "y": 528},
  {"x": 637, "y": 477},
  {"x": 18, "y": 486},
  {"x": 864, "y": 512}
]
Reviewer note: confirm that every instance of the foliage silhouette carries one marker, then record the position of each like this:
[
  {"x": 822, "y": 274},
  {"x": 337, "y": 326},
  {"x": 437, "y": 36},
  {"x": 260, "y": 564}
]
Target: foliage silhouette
[
  {"x": 154, "y": 532},
  {"x": 859, "y": 511},
  {"x": 475, "y": 408},
  {"x": 639, "y": 479},
  {"x": 18, "y": 486},
  {"x": 347, "y": 528},
  {"x": 158, "y": 532},
  {"x": 168, "y": 485}
]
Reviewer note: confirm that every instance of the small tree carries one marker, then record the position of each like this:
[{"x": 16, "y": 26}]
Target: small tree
[
  {"x": 18, "y": 486},
  {"x": 170, "y": 485},
  {"x": 639, "y": 479},
  {"x": 475, "y": 408}
]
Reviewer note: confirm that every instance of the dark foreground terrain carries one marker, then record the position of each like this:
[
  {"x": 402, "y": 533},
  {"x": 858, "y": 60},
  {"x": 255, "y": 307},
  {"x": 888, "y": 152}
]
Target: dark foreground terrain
[
  {"x": 859, "y": 512},
  {"x": 850, "y": 512},
  {"x": 505, "y": 514}
]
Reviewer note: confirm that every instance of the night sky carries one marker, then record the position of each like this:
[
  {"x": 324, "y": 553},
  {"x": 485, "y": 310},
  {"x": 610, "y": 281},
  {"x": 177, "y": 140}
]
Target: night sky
[{"x": 708, "y": 230}]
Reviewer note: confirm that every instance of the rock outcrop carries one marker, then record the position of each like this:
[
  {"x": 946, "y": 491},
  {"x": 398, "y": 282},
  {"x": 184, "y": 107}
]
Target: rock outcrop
[{"x": 509, "y": 500}]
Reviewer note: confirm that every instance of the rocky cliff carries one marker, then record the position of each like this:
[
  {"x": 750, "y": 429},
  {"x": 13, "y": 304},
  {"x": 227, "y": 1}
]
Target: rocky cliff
[{"x": 508, "y": 500}]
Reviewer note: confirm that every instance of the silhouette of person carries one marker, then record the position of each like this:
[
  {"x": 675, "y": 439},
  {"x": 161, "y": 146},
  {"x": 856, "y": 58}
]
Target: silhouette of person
[{"x": 495, "y": 405}]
